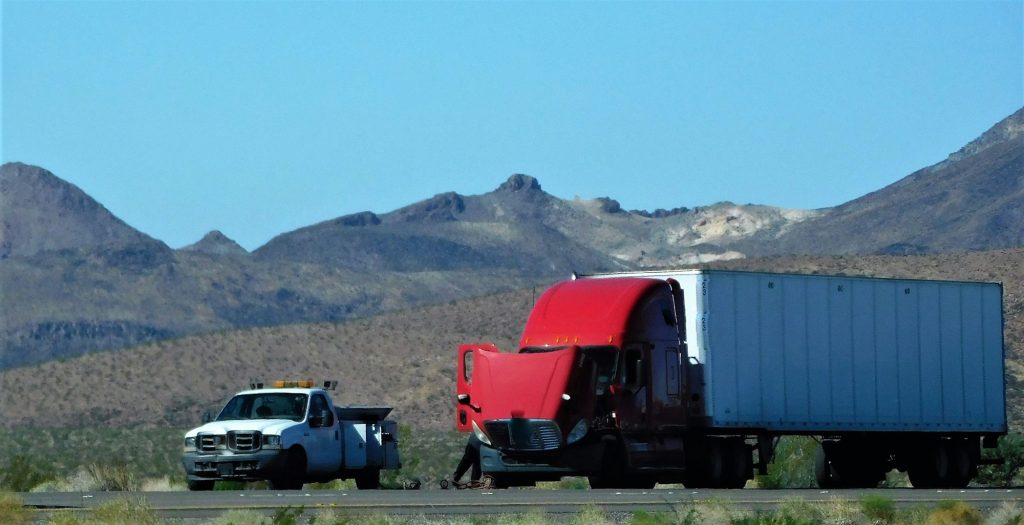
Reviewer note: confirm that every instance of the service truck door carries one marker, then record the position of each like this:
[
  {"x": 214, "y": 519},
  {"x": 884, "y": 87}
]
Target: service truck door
[
  {"x": 321, "y": 437},
  {"x": 465, "y": 407}
]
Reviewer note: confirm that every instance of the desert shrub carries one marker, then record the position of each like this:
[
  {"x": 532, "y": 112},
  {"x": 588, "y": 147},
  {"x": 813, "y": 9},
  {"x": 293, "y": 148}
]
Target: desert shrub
[
  {"x": 240, "y": 517},
  {"x": 286, "y": 516},
  {"x": 879, "y": 509},
  {"x": 1007, "y": 514},
  {"x": 802, "y": 511},
  {"x": 793, "y": 466},
  {"x": 651, "y": 518},
  {"x": 590, "y": 515},
  {"x": 535, "y": 517},
  {"x": 123, "y": 511},
  {"x": 839, "y": 511},
  {"x": 21, "y": 473},
  {"x": 67, "y": 517},
  {"x": 1011, "y": 450},
  {"x": 951, "y": 512},
  {"x": 566, "y": 483},
  {"x": 114, "y": 477},
  {"x": 13, "y": 511}
]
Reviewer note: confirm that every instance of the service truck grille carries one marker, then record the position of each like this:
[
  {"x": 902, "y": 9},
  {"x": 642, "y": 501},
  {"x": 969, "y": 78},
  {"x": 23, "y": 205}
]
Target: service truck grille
[
  {"x": 209, "y": 442},
  {"x": 244, "y": 441},
  {"x": 524, "y": 434}
]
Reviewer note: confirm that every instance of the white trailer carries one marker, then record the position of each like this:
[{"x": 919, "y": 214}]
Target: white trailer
[{"x": 890, "y": 373}]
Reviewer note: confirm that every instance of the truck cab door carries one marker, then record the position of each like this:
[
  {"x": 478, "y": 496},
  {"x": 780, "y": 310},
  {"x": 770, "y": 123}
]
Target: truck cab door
[
  {"x": 321, "y": 437},
  {"x": 465, "y": 407},
  {"x": 632, "y": 390}
]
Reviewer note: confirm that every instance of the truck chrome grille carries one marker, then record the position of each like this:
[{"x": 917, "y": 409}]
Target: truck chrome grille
[
  {"x": 524, "y": 434},
  {"x": 209, "y": 442},
  {"x": 244, "y": 441}
]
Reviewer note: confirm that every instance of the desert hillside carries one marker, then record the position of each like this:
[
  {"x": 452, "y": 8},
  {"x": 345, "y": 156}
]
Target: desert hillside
[{"x": 403, "y": 358}]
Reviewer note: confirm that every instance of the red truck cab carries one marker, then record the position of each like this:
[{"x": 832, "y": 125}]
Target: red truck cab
[{"x": 600, "y": 373}]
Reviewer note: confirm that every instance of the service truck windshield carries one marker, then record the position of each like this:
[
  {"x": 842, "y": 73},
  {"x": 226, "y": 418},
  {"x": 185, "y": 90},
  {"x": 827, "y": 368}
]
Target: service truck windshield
[{"x": 270, "y": 405}]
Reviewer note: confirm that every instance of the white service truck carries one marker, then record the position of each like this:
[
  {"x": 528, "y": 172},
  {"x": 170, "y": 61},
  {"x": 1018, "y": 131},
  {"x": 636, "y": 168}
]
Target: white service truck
[{"x": 288, "y": 434}]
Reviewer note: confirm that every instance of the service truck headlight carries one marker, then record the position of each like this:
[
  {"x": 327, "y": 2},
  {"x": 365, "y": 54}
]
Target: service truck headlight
[
  {"x": 270, "y": 441},
  {"x": 480, "y": 434},
  {"x": 190, "y": 444},
  {"x": 577, "y": 432}
]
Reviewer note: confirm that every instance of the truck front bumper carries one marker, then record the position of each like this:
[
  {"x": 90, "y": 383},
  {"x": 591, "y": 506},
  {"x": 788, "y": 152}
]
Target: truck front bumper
[
  {"x": 252, "y": 466},
  {"x": 494, "y": 463}
]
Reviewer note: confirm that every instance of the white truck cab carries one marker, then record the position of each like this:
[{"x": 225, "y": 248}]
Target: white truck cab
[{"x": 290, "y": 434}]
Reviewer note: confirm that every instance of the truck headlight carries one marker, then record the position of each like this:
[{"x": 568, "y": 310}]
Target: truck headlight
[
  {"x": 270, "y": 441},
  {"x": 577, "y": 432},
  {"x": 190, "y": 444},
  {"x": 480, "y": 435}
]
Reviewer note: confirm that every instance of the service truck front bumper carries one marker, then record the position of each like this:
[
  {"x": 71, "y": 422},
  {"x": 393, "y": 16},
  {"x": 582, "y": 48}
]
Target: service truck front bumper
[{"x": 249, "y": 466}]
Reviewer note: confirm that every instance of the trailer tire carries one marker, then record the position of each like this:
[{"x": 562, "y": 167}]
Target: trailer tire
[
  {"x": 931, "y": 469},
  {"x": 961, "y": 466},
  {"x": 824, "y": 473},
  {"x": 368, "y": 480}
]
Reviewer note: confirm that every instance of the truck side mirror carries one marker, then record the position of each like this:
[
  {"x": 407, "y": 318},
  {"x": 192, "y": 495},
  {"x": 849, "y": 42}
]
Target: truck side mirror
[
  {"x": 463, "y": 399},
  {"x": 207, "y": 417},
  {"x": 319, "y": 420}
]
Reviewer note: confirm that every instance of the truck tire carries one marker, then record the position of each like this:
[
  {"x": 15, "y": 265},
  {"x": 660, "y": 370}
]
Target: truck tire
[
  {"x": 961, "y": 466},
  {"x": 737, "y": 463},
  {"x": 368, "y": 480},
  {"x": 292, "y": 477},
  {"x": 930, "y": 469},
  {"x": 200, "y": 484},
  {"x": 824, "y": 474}
]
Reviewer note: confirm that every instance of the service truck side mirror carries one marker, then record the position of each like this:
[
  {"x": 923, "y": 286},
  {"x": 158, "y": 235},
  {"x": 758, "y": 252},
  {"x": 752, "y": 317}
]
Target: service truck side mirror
[
  {"x": 207, "y": 417},
  {"x": 320, "y": 420},
  {"x": 463, "y": 399}
]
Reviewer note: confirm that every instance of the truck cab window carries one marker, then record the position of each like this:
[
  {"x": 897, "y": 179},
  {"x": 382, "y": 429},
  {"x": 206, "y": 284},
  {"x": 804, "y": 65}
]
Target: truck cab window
[
  {"x": 467, "y": 367},
  {"x": 633, "y": 367},
  {"x": 604, "y": 358},
  {"x": 318, "y": 405}
]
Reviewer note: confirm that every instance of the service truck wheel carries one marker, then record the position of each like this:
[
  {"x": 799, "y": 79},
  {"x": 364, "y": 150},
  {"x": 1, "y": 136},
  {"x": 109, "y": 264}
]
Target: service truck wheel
[
  {"x": 294, "y": 472},
  {"x": 200, "y": 484},
  {"x": 368, "y": 480}
]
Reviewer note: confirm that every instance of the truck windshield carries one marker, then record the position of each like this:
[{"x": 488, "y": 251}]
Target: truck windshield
[
  {"x": 605, "y": 359},
  {"x": 270, "y": 405}
]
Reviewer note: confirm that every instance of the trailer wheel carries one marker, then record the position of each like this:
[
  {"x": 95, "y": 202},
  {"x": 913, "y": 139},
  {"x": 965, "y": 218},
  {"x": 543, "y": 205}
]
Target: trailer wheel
[
  {"x": 824, "y": 473},
  {"x": 930, "y": 469},
  {"x": 961, "y": 465},
  {"x": 368, "y": 480}
]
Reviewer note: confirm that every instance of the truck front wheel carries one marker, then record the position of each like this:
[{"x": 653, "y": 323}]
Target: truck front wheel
[
  {"x": 200, "y": 484},
  {"x": 368, "y": 480},
  {"x": 291, "y": 478}
]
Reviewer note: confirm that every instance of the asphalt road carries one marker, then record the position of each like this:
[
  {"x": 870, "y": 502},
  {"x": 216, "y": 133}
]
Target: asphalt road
[{"x": 428, "y": 502}]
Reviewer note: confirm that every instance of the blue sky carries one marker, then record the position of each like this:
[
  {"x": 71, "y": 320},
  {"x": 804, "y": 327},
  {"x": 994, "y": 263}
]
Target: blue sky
[{"x": 257, "y": 118}]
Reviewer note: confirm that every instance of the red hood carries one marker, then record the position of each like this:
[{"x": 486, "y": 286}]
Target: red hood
[{"x": 521, "y": 385}]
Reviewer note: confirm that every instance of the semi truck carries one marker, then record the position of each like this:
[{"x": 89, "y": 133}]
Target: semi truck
[
  {"x": 290, "y": 433},
  {"x": 692, "y": 376}
]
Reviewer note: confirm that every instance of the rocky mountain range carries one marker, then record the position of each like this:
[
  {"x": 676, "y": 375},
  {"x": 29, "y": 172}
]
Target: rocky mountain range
[
  {"x": 973, "y": 200},
  {"x": 75, "y": 279}
]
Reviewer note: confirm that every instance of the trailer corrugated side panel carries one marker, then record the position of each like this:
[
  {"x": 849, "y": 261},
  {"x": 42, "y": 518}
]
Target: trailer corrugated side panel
[{"x": 820, "y": 353}]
